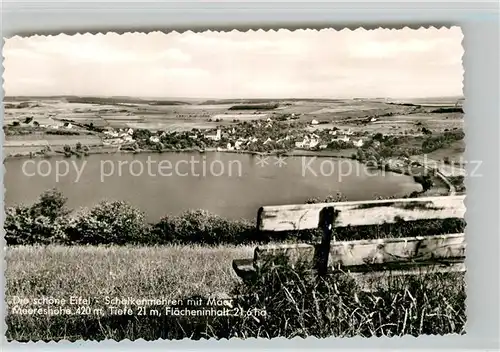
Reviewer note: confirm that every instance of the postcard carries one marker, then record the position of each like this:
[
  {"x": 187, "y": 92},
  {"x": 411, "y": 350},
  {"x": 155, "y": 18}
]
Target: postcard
[{"x": 264, "y": 184}]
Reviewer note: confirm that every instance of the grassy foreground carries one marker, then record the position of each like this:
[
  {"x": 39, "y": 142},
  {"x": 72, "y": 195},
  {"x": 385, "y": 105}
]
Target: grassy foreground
[
  {"x": 169, "y": 271},
  {"x": 293, "y": 303}
]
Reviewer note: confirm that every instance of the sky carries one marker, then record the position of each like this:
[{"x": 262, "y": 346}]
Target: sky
[{"x": 404, "y": 63}]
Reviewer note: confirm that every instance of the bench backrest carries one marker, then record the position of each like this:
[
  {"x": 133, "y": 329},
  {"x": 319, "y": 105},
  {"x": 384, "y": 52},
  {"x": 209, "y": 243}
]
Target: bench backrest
[
  {"x": 308, "y": 216},
  {"x": 379, "y": 254}
]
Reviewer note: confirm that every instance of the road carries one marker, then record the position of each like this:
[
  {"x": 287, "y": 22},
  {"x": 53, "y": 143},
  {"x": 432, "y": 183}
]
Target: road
[{"x": 433, "y": 166}]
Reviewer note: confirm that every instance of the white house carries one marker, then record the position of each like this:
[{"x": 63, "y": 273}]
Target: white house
[
  {"x": 230, "y": 147},
  {"x": 307, "y": 143},
  {"x": 341, "y": 139},
  {"x": 313, "y": 143},
  {"x": 154, "y": 139},
  {"x": 237, "y": 145},
  {"x": 215, "y": 137},
  {"x": 314, "y": 122},
  {"x": 111, "y": 134},
  {"x": 359, "y": 143}
]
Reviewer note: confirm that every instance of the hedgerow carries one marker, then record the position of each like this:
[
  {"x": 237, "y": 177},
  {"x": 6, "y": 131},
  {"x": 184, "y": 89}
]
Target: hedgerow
[{"x": 119, "y": 223}]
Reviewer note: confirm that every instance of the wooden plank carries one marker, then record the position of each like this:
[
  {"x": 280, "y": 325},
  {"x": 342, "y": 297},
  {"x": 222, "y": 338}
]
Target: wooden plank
[
  {"x": 366, "y": 279},
  {"x": 397, "y": 250},
  {"x": 307, "y": 216},
  {"x": 377, "y": 254},
  {"x": 296, "y": 253}
]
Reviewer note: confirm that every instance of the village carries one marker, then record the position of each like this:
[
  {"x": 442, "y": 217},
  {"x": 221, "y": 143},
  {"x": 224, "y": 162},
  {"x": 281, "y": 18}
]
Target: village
[{"x": 265, "y": 135}]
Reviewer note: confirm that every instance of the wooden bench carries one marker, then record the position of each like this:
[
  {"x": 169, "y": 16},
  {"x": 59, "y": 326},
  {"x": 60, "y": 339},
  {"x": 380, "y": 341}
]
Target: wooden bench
[{"x": 392, "y": 256}]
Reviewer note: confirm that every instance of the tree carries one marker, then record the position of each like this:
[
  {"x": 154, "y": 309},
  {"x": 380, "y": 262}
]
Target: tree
[
  {"x": 332, "y": 198},
  {"x": 159, "y": 147},
  {"x": 360, "y": 155},
  {"x": 23, "y": 227},
  {"x": 67, "y": 151},
  {"x": 378, "y": 137},
  {"x": 108, "y": 222},
  {"x": 141, "y": 134},
  {"x": 201, "y": 226},
  {"x": 78, "y": 146},
  {"x": 425, "y": 181},
  {"x": 42, "y": 223},
  {"x": 52, "y": 204}
]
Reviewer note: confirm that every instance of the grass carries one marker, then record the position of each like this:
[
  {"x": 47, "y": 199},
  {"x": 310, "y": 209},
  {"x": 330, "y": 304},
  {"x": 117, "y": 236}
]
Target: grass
[
  {"x": 283, "y": 302},
  {"x": 171, "y": 271}
]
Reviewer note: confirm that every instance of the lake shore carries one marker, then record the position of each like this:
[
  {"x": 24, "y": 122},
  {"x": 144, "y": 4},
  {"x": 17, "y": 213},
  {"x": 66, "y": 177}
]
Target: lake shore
[
  {"x": 96, "y": 150},
  {"x": 390, "y": 166}
]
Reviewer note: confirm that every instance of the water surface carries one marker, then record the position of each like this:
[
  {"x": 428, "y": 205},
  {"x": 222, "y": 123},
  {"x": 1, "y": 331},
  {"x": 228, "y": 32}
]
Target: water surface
[{"x": 235, "y": 187}]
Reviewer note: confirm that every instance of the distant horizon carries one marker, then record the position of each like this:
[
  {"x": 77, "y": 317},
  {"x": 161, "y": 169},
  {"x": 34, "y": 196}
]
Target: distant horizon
[{"x": 229, "y": 98}]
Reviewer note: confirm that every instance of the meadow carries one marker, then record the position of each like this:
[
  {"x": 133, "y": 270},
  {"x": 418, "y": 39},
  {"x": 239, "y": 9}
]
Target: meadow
[
  {"x": 284, "y": 302},
  {"x": 172, "y": 271}
]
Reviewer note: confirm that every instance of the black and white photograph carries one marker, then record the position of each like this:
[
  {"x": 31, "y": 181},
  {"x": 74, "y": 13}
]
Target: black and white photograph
[{"x": 235, "y": 184}]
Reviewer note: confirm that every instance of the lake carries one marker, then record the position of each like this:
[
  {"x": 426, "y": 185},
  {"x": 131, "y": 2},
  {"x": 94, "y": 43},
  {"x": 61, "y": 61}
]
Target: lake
[{"x": 229, "y": 184}]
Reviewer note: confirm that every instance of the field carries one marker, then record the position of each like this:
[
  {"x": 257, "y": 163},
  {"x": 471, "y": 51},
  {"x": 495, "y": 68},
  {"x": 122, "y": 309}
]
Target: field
[
  {"x": 147, "y": 114},
  {"x": 293, "y": 307},
  {"x": 455, "y": 152},
  {"x": 24, "y": 144},
  {"x": 362, "y": 116}
]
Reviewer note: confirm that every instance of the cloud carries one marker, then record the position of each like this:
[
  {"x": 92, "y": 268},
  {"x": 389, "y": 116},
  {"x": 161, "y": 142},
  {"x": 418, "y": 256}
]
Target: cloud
[
  {"x": 373, "y": 49},
  {"x": 181, "y": 72},
  {"x": 82, "y": 49},
  {"x": 175, "y": 55},
  {"x": 35, "y": 81},
  {"x": 302, "y": 63}
]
